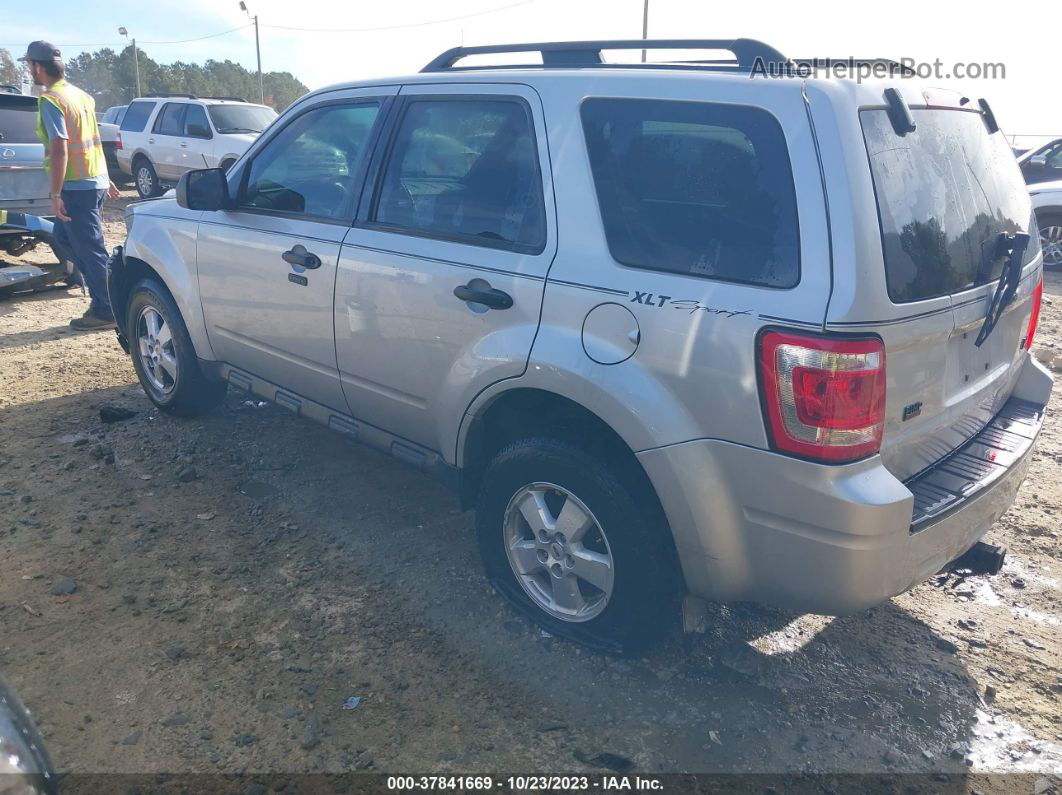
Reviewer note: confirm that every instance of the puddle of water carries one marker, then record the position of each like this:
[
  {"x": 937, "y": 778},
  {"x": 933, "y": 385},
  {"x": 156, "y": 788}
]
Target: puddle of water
[{"x": 1002, "y": 745}]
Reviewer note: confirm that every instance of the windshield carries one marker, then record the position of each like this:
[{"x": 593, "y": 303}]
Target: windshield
[
  {"x": 240, "y": 118},
  {"x": 945, "y": 192}
]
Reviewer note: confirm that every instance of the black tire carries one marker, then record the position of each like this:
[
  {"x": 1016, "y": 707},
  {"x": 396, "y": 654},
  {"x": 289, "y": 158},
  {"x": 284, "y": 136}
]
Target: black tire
[
  {"x": 646, "y": 580},
  {"x": 145, "y": 179},
  {"x": 1051, "y": 219},
  {"x": 192, "y": 393},
  {"x": 227, "y": 164}
]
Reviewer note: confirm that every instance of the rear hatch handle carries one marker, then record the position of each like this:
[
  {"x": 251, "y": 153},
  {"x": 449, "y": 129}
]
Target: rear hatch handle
[{"x": 1013, "y": 247}]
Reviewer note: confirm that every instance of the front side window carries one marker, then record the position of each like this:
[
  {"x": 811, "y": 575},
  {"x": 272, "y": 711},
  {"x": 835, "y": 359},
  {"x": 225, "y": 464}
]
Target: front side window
[
  {"x": 195, "y": 122},
  {"x": 136, "y": 116},
  {"x": 465, "y": 170},
  {"x": 695, "y": 188},
  {"x": 171, "y": 119},
  {"x": 311, "y": 167}
]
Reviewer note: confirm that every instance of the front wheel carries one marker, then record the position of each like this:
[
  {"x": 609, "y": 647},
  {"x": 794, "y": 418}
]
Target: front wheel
[
  {"x": 578, "y": 544},
  {"x": 163, "y": 355}
]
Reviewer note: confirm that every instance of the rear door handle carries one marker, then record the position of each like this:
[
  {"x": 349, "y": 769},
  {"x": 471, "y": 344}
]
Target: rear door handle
[
  {"x": 488, "y": 296},
  {"x": 298, "y": 255},
  {"x": 184, "y": 144},
  {"x": 151, "y": 140}
]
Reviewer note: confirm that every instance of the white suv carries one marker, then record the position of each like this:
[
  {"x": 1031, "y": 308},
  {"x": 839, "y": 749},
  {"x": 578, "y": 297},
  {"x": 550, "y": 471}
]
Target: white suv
[{"x": 165, "y": 136}]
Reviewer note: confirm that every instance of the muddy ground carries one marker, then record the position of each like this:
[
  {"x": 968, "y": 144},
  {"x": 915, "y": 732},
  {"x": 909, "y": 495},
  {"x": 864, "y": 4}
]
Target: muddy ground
[{"x": 238, "y": 577}]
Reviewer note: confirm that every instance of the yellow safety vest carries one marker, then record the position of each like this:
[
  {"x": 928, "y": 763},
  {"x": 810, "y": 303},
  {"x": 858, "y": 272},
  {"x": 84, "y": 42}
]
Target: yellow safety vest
[{"x": 84, "y": 151}]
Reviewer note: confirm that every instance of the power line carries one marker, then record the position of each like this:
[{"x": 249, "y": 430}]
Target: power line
[
  {"x": 123, "y": 44},
  {"x": 400, "y": 27}
]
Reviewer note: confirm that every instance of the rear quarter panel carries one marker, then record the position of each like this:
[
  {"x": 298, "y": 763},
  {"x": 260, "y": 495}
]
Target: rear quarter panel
[{"x": 693, "y": 374}]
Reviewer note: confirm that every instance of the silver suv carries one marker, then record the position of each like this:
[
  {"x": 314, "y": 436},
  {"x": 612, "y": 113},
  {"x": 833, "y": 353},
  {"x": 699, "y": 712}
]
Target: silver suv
[{"x": 675, "y": 328}]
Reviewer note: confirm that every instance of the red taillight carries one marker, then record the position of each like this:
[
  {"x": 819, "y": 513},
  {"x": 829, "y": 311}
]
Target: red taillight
[
  {"x": 1034, "y": 316},
  {"x": 824, "y": 397},
  {"x": 118, "y": 141}
]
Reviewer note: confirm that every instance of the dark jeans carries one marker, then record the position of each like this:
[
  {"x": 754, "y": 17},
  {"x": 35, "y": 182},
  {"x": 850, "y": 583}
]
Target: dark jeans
[{"x": 82, "y": 236}]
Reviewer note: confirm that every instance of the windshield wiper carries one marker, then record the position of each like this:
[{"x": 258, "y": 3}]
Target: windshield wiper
[
  {"x": 1013, "y": 247},
  {"x": 225, "y": 130}
]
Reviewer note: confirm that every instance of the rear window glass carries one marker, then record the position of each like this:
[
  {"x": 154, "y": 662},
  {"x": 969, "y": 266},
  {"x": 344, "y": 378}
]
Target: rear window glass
[
  {"x": 136, "y": 116},
  {"x": 18, "y": 123},
  {"x": 945, "y": 192},
  {"x": 695, "y": 188}
]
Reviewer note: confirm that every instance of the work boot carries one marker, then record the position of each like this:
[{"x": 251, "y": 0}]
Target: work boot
[{"x": 91, "y": 322}]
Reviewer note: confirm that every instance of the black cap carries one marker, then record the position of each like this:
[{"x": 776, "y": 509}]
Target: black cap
[{"x": 41, "y": 51}]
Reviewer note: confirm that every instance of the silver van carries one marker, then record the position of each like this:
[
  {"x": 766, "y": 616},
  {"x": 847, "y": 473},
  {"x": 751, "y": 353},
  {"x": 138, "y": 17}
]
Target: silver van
[{"x": 669, "y": 328}]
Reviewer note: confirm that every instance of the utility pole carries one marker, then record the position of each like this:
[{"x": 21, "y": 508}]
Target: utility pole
[
  {"x": 136, "y": 61},
  {"x": 257, "y": 51},
  {"x": 645, "y": 25}
]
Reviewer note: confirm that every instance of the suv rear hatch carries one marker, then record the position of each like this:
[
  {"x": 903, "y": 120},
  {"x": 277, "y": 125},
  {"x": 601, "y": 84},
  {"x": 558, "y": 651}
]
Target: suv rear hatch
[
  {"x": 949, "y": 199},
  {"x": 23, "y": 182}
]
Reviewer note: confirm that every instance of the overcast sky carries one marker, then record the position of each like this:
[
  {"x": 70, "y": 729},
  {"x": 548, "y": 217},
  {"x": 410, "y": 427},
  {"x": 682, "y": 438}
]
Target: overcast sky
[{"x": 1026, "y": 102}]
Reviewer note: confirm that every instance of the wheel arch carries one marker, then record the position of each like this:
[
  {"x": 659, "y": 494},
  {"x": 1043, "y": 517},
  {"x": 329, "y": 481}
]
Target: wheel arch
[
  {"x": 523, "y": 411},
  {"x": 164, "y": 251}
]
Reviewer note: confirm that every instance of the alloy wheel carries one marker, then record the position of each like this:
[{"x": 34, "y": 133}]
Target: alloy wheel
[
  {"x": 558, "y": 551},
  {"x": 158, "y": 357},
  {"x": 1051, "y": 243}
]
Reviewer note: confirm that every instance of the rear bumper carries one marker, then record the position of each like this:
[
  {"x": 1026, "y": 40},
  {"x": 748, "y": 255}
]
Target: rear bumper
[{"x": 750, "y": 524}]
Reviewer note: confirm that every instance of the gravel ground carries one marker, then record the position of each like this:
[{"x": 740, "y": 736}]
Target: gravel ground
[{"x": 203, "y": 596}]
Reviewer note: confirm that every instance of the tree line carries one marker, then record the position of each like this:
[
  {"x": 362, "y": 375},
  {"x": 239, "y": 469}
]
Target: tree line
[{"x": 110, "y": 77}]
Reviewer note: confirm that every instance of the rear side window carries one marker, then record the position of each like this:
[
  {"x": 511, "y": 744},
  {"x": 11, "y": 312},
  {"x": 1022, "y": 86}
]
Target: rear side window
[
  {"x": 18, "y": 123},
  {"x": 170, "y": 120},
  {"x": 945, "y": 193},
  {"x": 195, "y": 122},
  {"x": 466, "y": 170},
  {"x": 136, "y": 116},
  {"x": 695, "y": 188}
]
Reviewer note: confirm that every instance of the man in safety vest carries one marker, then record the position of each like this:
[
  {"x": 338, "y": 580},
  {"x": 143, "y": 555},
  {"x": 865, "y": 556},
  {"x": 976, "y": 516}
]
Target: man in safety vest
[{"x": 73, "y": 158}]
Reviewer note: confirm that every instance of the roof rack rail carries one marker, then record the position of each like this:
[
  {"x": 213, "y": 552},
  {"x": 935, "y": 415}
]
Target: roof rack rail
[
  {"x": 853, "y": 63},
  {"x": 747, "y": 52},
  {"x": 230, "y": 99},
  {"x": 168, "y": 95}
]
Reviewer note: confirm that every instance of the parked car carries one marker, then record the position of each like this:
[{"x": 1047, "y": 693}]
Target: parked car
[
  {"x": 667, "y": 328},
  {"x": 1047, "y": 201},
  {"x": 1042, "y": 164},
  {"x": 25, "y": 206},
  {"x": 162, "y": 137},
  {"x": 109, "y": 123}
]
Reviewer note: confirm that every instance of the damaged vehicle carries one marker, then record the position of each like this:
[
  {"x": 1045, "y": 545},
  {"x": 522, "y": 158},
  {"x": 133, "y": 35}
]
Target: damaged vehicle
[
  {"x": 668, "y": 329},
  {"x": 24, "y": 201}
]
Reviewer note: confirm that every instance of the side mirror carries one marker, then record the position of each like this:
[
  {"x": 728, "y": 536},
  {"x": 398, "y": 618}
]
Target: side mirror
[
  {"x": 197, "y": 131},
  {"x": 1038, "y": 160},
  {"x": 203, "y": 189}
]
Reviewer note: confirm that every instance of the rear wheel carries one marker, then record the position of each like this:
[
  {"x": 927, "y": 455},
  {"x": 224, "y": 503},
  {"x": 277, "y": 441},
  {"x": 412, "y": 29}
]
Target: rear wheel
[
  {"x": 147, "y": 181},
  {"x": 227, "y": 164},
  {"x": 163, "y": 355},
  {"x": 1050, "y": 226},
  {"x": 577, "y": 544}
]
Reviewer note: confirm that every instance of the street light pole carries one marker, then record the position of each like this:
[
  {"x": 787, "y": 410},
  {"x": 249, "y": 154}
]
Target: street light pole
[
  {"x": 136, "y": 60},
  {"x": 257, "y": 51},
  {"x": 645, "y": 25}
]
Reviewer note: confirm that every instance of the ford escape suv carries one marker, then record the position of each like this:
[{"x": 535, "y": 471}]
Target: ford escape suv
[{"x": 669, "y": 328}]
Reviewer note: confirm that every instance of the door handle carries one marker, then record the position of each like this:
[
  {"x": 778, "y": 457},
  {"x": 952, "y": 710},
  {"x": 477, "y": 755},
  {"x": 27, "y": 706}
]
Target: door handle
[
  {"x": 488, "y": 296},
  {"x": 151, "y": 140},
  {"x": 184, "y": 144},
  {"x": 298, "y": 255}
]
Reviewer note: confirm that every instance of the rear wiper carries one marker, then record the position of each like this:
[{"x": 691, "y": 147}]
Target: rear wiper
[{"x": 1013, "y": 247}]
